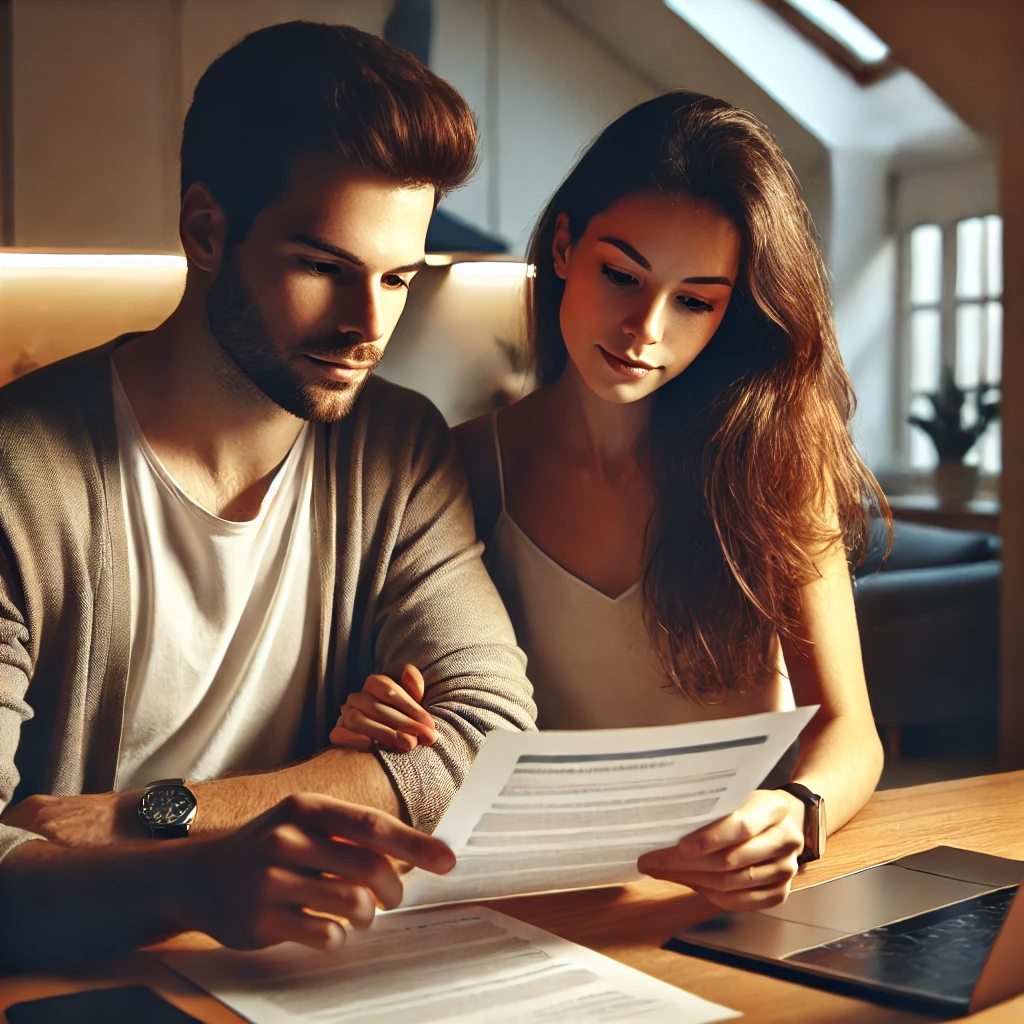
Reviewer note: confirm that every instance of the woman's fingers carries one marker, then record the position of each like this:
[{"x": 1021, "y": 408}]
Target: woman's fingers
[
  {"x": 369, "y": 706},
  {"x": 369, "y": 725},
  {"x": 413, "y": 683},
  {"x": 753, "y": 876},
  {"x": 395, "y": 705},
  {"x": 762, "y": 810},
  {"x": 344, "y": 737},
  {"x": 747, "y": 899}
]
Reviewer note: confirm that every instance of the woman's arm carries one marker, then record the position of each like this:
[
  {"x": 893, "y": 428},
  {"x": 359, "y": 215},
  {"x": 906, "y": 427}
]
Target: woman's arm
[
  {"x": 840, "y": 753},
  {"x": 747, "y": 860}
]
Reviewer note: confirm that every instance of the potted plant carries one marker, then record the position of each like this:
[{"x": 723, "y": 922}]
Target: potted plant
[{"x": 952, "y": 437}]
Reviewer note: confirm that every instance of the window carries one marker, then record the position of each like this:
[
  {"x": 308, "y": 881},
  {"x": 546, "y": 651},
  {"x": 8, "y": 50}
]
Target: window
[{"x": 954, "y": 319}]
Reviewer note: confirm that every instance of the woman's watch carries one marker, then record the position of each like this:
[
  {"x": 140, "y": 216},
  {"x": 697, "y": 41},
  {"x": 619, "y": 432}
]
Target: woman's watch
[
  {"x": 168, "y": 807},
  {"x": 814, "y": 821}
]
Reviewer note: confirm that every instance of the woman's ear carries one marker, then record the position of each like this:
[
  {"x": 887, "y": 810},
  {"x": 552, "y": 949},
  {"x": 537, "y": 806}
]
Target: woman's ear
[{"x": 561, "y": 247}]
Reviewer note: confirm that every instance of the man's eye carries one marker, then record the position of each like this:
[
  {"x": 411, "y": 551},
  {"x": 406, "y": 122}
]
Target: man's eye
[
  {"x": 696, "y": 305},
  {"x": 619, "y": 277},
  {"x": 322, "y": 269}
]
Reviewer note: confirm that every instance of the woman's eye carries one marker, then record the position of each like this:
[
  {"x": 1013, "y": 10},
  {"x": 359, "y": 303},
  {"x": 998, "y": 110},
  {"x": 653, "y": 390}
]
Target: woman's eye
[
  {"x": 619, "y": 277},
  {"x": 696, "y": 305},
  {"x": 394, "y": 281}
]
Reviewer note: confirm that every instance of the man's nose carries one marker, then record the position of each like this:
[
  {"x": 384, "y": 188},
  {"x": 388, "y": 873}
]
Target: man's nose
[{"x": 361, "y": 314}]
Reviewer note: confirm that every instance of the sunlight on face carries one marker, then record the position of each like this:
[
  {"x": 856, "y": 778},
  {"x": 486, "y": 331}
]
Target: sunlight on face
[
  {"x": 307, "y": 303},
  {"x": 646, "y": 287}
]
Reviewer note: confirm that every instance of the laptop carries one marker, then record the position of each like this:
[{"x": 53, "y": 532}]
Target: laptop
[{"x": 939, "y": 931}]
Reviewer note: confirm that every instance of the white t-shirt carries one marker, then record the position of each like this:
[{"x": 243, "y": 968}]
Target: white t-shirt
[{"x": 224, "y": 620}]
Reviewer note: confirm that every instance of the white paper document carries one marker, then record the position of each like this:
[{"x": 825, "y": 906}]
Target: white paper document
[
  {"x": 543, "y": 811},
  {"x": 464, "y": 964}
]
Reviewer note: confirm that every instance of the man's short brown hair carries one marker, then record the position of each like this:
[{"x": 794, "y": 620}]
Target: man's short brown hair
[{"x": 302, "y": 87}]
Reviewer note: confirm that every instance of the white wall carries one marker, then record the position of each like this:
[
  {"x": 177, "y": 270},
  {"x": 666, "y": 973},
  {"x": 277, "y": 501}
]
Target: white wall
[
  {"x": 100, "y": 93},
  {"x": 541, "y": 91}
]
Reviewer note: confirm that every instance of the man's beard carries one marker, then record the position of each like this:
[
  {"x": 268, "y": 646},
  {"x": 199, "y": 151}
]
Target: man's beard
[{"x": 238, "y": 327}]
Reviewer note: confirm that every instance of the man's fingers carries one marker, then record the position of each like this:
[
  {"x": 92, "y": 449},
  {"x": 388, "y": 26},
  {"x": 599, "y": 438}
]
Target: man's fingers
[
  {"x": 386, "y": 691},
  {"x": 307, "y": 853},
  {"x": 367, "y": 827},
  {"x": 337, "y": 897},
  {"x": 291, "y": 924}
]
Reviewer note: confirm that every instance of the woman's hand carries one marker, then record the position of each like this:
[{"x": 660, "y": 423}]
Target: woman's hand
[
  {"x": 388, "y": 713},
  {"x": 745, "y": 861}
]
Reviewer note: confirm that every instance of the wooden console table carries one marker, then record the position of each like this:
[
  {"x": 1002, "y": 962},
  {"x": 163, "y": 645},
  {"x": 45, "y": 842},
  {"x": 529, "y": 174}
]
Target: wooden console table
[{"x": 979, "y": 514}]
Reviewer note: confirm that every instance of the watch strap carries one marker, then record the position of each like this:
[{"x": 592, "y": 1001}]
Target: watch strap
[{"x": 813, "y": 823}]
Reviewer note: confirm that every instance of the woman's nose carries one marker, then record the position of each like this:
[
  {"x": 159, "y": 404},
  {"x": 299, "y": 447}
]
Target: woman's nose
[{"x": 646, "y": 321}]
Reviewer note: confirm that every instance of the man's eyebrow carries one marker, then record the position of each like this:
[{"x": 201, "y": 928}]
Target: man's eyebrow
[
  {"x": 628, "y": 250},
  {"x": 332, "y": 250}
]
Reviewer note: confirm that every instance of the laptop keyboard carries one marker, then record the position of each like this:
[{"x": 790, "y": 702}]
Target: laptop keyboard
[{"x": 940, "y": 953}]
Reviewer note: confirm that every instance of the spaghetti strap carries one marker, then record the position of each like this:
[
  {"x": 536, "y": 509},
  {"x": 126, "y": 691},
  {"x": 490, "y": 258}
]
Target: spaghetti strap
[{"x": 497, "y": 455}]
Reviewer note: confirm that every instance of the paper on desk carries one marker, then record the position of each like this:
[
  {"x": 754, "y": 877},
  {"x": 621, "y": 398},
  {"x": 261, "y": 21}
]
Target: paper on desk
[
  {"x": 465, "y": 964},
  {"x": 543, "y": 811}
]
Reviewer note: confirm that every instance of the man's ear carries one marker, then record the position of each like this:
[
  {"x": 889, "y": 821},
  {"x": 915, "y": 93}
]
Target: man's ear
[
  {"x": 561, "y": 247},
  {"x": 202, "y": 227}
]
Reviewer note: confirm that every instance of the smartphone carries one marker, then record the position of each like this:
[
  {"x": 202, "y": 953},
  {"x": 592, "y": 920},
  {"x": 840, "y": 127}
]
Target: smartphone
[{"x": 135, "y": 1004}]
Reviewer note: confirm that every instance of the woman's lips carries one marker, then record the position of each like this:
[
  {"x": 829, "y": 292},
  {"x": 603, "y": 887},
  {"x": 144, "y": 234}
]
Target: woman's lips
[{"x": 624, "y": 367}]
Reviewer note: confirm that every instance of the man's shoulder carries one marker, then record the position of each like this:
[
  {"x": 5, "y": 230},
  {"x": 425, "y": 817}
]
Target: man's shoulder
[
  {"x": 389, "y": 414},
  {"x": 53, "y": 423},
  {"x": 58, "y": 395}
]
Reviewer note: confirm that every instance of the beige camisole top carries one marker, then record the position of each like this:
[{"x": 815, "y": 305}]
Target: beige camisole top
[{"x": 590, "y": 658}]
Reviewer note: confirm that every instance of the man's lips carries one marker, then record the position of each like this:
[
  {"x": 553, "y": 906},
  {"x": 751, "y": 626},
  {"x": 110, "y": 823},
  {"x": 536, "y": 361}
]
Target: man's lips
[
  {"x": 626, "y": 367},
  {"x": 338, "y": 368}
]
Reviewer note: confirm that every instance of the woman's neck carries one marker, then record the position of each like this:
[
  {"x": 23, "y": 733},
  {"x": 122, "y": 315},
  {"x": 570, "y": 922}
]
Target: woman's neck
[{"x": 600, "y": 435}]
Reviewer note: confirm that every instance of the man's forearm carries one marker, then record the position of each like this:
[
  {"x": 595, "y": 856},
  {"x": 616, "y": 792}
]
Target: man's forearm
[
  {"x": 349, "y": 775},
  {"x": 62, "y": 906}
]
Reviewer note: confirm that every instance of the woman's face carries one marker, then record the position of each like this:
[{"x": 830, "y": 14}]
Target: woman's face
[{"x": 646, "y": 287}]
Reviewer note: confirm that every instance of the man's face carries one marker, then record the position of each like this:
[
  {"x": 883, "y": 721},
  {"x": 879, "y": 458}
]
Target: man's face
[{"x": 306, "y": 304}]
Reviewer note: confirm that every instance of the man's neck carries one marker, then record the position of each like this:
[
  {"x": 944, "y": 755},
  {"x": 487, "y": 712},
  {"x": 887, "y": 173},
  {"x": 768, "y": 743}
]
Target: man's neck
[{"x": 219, "y": 436}]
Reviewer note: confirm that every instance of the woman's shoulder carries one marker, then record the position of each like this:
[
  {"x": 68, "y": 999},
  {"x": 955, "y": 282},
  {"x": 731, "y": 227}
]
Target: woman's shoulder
[{"x": 475, "y": 443}]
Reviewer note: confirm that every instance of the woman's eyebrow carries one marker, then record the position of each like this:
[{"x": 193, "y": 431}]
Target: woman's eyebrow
[
  {"x": 637, "y": 257},
  {"x": 708, "y": 280},
  {"x": 628, "y": 250}
]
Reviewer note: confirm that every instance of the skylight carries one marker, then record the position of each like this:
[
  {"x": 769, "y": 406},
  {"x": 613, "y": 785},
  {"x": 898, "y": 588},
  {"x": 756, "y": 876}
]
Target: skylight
[{"x": 846, "y": 29}]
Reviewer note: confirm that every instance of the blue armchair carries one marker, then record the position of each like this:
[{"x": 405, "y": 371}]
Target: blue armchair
[{"x": 929, "y": 626}]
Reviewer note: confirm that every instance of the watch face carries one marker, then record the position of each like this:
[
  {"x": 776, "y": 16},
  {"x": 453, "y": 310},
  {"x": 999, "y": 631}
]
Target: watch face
[{"x": 167, "y": 805}]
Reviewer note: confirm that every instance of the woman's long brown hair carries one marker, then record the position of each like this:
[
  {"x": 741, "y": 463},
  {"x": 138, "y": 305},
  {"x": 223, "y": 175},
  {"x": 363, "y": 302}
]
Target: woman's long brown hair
[{"x": 751, "y": 459}]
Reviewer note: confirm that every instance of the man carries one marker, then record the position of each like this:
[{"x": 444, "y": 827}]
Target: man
[{"x": 211, "y": 533}]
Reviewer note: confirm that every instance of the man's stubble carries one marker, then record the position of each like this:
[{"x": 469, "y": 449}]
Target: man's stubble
[{"x": 243, "y": 335}]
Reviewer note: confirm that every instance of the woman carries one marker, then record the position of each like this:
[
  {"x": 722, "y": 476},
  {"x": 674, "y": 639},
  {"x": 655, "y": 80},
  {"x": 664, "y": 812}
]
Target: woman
[{"x": 669, "y": 515}]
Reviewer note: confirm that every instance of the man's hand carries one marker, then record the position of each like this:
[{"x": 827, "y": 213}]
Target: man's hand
[
  {"x": 290, "y": 873},
  {"x": 91, "y": 819},
  {"x": 745, "y": 861}
]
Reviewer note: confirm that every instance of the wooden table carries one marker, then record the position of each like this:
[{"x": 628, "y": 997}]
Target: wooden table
[{"x": 630, "y": 923}]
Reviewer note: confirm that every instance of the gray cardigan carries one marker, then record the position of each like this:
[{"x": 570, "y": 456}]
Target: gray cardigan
[{"x": 400, "y": 573}]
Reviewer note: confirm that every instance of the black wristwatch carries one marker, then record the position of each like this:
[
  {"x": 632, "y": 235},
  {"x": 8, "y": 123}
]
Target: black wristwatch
[
  {"x": 814, "y": 821},
  {"x": 168, "y": 807}
]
